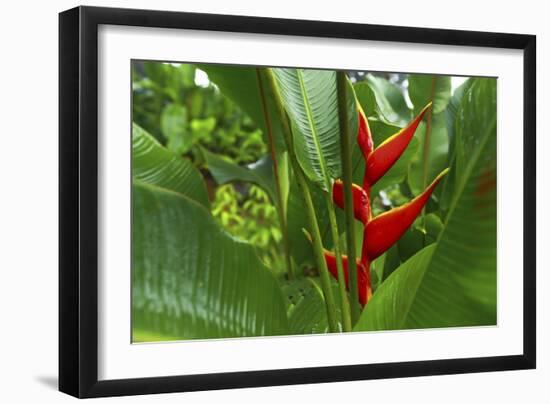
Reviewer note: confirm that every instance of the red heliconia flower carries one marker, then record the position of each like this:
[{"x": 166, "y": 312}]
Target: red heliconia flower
[{"x": 384, "y": 230}]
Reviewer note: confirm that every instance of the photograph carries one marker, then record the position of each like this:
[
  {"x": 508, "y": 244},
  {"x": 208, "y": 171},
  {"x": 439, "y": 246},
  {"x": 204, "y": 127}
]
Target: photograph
[{"x": 240, "y": 182}]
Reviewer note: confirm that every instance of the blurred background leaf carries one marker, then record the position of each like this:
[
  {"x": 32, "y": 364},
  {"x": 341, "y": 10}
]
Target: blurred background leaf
[
  {"x": 431, "y": 155},
  {"x": 173, "y": 123},
  {"x": 390, "y": 100},
  {"x": 425, "y": 88}
]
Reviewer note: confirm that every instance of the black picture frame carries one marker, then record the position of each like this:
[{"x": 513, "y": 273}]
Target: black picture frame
[{"x": 78, "y": 201}]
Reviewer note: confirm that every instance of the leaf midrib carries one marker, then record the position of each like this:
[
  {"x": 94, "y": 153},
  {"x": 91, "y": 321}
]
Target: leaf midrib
[{"x": 313, "y": 127}]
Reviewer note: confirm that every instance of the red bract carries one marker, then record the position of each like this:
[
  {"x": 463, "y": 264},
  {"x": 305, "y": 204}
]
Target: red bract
[
  {"x": 364, "y": 137},
  {"x": 382, "y": 231},
  {"x": 388, "y": 227},
  {"x": 363, "y": 276},
  {"x": 385, "y": 155},
  {"x": 361, "y": 205}
]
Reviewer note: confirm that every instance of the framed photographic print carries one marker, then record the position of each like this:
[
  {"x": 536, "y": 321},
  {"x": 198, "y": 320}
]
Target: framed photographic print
[{"x": 250, "y": 201}]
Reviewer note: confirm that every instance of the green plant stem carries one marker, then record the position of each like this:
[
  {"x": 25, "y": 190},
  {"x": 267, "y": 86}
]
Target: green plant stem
[
  {"x": 308, "y": 204},
  {"x": 427, "y": 137},
  {"x": 280, "y": 202},
  {"x": 346, "y": 315},
  {"x": 426, "y": 154},
  {"x": 345, "y": 147}
]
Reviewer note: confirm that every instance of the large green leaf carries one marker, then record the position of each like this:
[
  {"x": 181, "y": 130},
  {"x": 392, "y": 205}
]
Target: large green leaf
[
  {"x": 153, "y": 164},
  {"x": 424, "y": 88},
  {"x": 390, "y": 306},
  {"x": 259, "y": 173},
  {"x": 452, "y": 282},
  {"x": 311, "y": 101},
  {"x": 241, "y": 85},
  {"x": 390, "y": 264},
  {"x": 190, "y": 279}
]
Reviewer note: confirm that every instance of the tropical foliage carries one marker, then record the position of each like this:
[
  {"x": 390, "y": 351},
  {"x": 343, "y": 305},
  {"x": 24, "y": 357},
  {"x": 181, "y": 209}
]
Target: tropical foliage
[{"x": 254, "y": 188}]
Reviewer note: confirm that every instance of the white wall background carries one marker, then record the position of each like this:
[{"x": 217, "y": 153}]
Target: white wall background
[{"x": 28, "y": 200}]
